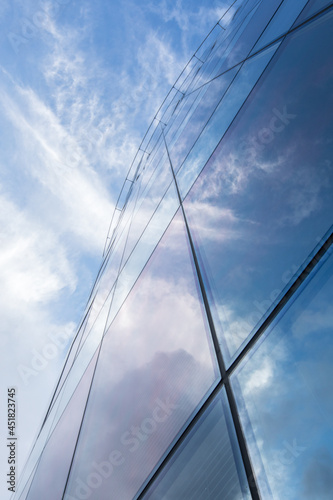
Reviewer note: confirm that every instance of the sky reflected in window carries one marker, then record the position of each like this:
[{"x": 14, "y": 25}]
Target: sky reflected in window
[
  {"x": 284, "y": 393},
  {"x": 264, "y": 200}
]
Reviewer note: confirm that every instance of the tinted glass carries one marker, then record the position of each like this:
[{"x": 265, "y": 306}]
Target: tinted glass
[
  {"x": 24, "y": 489},
  {"x": 265, "y": 198},
  {"x": 52, "y": 470},
  {"x": 281, "y": 22},
  {"x": 144, "y": 248},
  {"x": 148, "y": 203},
  {"x": 284, "y": 392},
  {"x": 207, "y": 465},
  {"x": 224, "y": 114},
  {"x": 314, "y": 7},
  {"x": 156, "y": 366},
  {"x": 69, "y": 362},
  {"x": 242, "y": 41},
  {"x": 199, "y": 115},
  {"x": 79, "y": 366},
  {"x": 26, "y": 475}
]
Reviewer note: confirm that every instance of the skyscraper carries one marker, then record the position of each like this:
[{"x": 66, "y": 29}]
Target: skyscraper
[{"x": 202, "y": 366}]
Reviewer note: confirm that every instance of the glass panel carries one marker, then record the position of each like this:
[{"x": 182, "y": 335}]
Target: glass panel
[
  {"x": 208, "y": 463},
  {"x": 313, "y": 7},
  {"x": 281, "y": 22},
  {"x": 203, "y": 52},
  {"x": 239, "y": 41},
  {"x": 51, "y": 474},
  {"x": 125, "y": 193},
  {"x": 185, "y": 110},
  {"x": 265, "y": 199},
  {"x": 154, "y": 139},
  {"x": 26, "y": 475},
  {"x": 154, "y": 156},
  {"x": 211, "y": 59},
  {"x": 24, "y": 491},
  {"x": 284, "y": 394},
  {"x": 153, "y": 180},
  {"x": 94, "y": 312},
  {"x": 186, "y": 75},
  {"x": 167, "y": 117},
  {"x": 97, "y": 328},
  {"x": 159, "y": 184},
  {"x": 220, "y": 121},
  {"x": 237, "y": 13},
  {"x": 168, "y": 102},
  {"x": 79, "y": 366},
  {"x": 156, "y": 366},
  {"x": 227, "y": 33},
  {"x": 144, "y": 248},
  {"x": 199, "y": 115},
  {"x": 71, "y": 355},
  {"x": 110, "y": 269}
]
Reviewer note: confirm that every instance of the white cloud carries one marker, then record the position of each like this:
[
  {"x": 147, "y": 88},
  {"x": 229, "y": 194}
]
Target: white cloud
[
  {"x": 199, "y": 20},
  {"x": 55, "y": 211},
  {"x": 310, "y": 322},
  {"x": 76, "y": 190},
  {"x": 32, "y": 269}
]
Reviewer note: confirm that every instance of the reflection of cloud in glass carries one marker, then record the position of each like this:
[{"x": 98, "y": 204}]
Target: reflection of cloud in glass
[
  {"x": 155, "y": 367},
  {"x": 207, "y": 217},
  {"x": 59, "y": 449},
  {"x": 139, "y": 417},
  {"x": 287, "y": 399},
  {"x": 266, "y": 189},
  {"x": 206, "y": 101},
  {"x": 144, "y": 412}
]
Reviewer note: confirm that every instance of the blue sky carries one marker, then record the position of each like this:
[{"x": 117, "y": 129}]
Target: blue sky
[{"x": 79, "y": 84}]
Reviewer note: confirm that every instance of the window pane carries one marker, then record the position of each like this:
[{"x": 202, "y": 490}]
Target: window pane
[
  {"x": 221, "y": 119},
  {"x": 24, "y": 489},
  {"x": 51, "y": 474},
  {"x": 264, "y": 200},
  {"x": 69, "y": 362},
  {"x": 148, "y": 203},
  {"x": 202, "y": 110},
  {"x": 208, "y": 464},
  {"x": 144, "y": 247},
  {"x": 156, "y": 366},
  {"x": 284, "y": 392},
  {"x": 281, "y": 22},
  {"x": 313, "y": 7},
  {"x": 79, "y": 366},
  {"x": 240, "y": 44}
]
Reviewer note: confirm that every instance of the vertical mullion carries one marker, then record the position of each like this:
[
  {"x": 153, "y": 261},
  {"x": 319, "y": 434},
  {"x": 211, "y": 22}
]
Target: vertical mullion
[{"x": 231, "y": 399}]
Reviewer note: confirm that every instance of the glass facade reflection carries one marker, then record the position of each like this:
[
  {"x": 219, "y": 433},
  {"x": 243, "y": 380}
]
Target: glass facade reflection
[{"x": 202, "y": 366}]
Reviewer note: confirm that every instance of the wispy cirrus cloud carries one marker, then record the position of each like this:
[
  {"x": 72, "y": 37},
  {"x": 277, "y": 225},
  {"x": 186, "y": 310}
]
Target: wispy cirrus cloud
[{"x": 74, "y": 110}]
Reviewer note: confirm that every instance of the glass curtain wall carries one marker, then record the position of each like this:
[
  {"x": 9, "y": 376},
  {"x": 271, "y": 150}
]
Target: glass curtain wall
[{"x": 202, "y": 367}]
